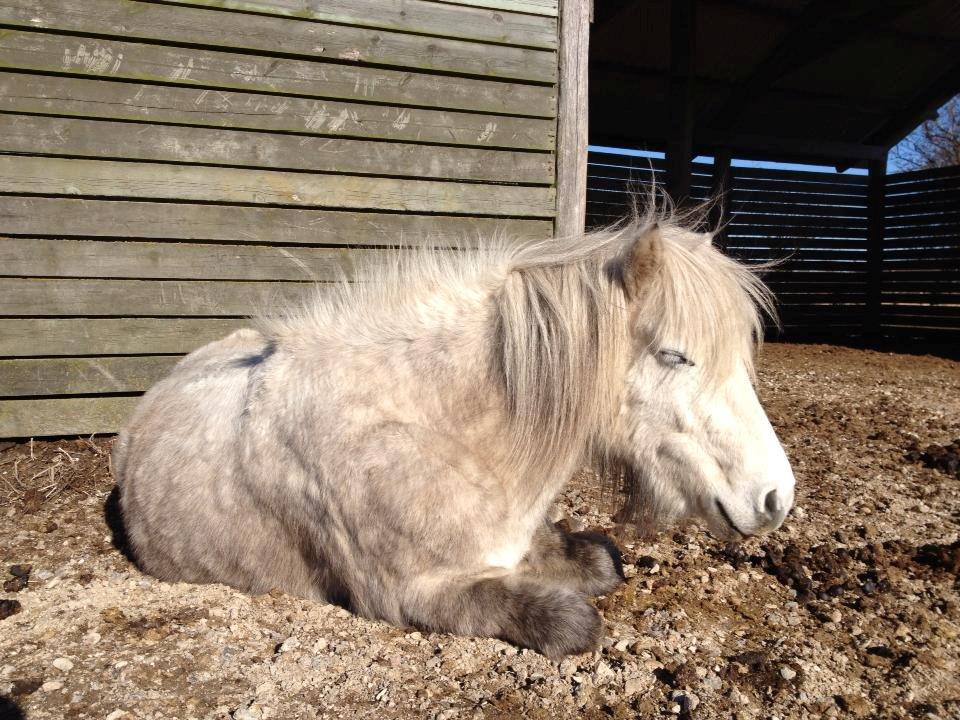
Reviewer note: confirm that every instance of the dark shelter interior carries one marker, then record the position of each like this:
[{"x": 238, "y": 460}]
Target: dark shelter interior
[{"x": 866, "y": 255}]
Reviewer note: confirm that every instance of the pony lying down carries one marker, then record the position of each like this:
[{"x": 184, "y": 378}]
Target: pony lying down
[{"x": 395, "y": 445}]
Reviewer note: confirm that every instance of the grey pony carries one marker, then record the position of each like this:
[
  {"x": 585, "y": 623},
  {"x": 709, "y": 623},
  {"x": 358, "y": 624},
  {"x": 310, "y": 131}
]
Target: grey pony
[{"x": 395, "y": 445}]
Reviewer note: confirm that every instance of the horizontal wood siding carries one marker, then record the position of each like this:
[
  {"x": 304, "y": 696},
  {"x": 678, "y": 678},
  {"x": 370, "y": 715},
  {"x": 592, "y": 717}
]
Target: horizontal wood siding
[{"x": 169, "y": 168}]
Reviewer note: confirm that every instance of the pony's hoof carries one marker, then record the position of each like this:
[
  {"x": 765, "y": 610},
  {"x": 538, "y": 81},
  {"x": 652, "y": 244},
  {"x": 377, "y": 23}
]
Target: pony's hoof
[{"x": 567, "y": 624}]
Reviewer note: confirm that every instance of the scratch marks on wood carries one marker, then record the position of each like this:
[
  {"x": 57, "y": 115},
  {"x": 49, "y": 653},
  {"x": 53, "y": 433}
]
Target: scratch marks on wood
[
  {"x": 98, "y": 59},
  {"x": 402, "y": 120},
  {"x": 488, "y": 130},
  {"x": 182, "y": 71}
]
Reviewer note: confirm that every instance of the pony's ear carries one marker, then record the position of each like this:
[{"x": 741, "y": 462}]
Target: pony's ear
[{"x": 643, "y": 260}]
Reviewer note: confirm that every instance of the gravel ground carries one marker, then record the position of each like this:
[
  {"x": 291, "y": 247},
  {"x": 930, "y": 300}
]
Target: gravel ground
[{"x": 852, "y": 609}]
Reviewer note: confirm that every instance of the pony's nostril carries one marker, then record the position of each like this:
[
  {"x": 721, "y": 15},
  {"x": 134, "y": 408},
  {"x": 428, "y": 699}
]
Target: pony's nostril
[{"x": 772, "y": 503}]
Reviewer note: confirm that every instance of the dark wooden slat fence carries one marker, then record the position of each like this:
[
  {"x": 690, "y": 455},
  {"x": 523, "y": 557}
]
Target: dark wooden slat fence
[
  {"x": 920, "y": 289},
  {"x": 814, "y": 225}
]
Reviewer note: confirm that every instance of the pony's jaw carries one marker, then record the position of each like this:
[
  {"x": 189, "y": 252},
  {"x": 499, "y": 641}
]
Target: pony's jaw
[{"x": 711, "y": 456}]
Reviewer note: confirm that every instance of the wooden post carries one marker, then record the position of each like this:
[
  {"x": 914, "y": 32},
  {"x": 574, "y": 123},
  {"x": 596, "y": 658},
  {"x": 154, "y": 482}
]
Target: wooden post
[
  {"x": 680, "y": 142},
  {"x": 876, "y": 190},
  {"x": 573, "y": 115},
  {"x": 720, "y": 195}
]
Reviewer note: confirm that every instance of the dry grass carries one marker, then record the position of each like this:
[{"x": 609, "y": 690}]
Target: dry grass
[{"x": 32, "y": 474}]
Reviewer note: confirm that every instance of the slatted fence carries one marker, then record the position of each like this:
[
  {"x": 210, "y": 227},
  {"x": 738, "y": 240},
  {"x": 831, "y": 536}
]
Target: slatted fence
[
  {"x": 815, "y": 225},
  {"x": 167, "y": 166},
  {"x": 920, "y": 290}
]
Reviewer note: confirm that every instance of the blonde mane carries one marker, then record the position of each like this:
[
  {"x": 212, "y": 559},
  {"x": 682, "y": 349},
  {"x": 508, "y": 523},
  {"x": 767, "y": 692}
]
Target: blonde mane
[{"x": 559, "y": 322}]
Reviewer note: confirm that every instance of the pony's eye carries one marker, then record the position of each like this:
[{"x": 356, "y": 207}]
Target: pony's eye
[{"x": 674, "y": 357}]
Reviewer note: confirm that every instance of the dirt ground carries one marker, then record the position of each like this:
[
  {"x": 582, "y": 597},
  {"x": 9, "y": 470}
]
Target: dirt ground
[{"x": 852, "y": 609}]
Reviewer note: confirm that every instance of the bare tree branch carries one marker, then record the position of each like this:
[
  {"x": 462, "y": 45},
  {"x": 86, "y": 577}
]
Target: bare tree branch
[{"x": 936, "y": 143}]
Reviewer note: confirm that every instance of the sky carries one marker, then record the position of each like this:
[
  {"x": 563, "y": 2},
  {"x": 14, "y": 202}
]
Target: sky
[{"x": 734, "y": 162}]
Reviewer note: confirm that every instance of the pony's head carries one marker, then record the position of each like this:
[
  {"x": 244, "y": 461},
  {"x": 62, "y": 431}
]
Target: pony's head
[{"x": 691, "y": 436}]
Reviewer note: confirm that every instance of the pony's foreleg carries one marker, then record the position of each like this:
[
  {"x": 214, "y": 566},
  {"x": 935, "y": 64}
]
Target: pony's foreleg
[
  {"x": 589, "y": 562},
  {"x": 549, "y": 618}
]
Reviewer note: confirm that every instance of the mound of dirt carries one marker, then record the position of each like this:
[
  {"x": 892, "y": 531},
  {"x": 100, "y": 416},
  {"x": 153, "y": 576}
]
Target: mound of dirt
[{"x": 851, "y": 609}]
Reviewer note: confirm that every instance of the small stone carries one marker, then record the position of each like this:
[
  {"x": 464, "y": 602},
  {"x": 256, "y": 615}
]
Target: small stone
[
  {"x": 633, "y": 686},
  {"x": 116, "y": 715},
  {"x": 687, "y": 700},
  {"x": 248, "y": 713},
  {"x": 603, "y": 674},
  {"x": 321, "y": 645},
  {"x": 675, "y": 709},
  {"x": 712, "y": 682},
  {"x": 787, "y": 672},
  {"x": 415, "y": 635},
  {"x": 291, "y": 643},
  {"x": 51, "y": 686},
  {"x": 92, "y": 638},
  {"x": 63, "y": 664},
  {"x": 836, "y": 616},
  {"x": 855, "y": 705}
]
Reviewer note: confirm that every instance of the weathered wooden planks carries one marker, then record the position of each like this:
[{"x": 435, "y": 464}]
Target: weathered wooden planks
[
  {"x": 35, "y": 257},
  {"x": 104, "y": 178},
  {"x": 159, "y": 298},
  {"x": 417, "y": 16},
  {"x": 191, "y": 106},
  {"x": 64, "y": 416},
  {"x": 168, "y": 168},
  {"x": 539, "y": 7},
  {"x": 33, "y": 135},
  {"x": 269, "y": 34},
  {"x": 252, "y": 73},
  {"x": 66, "y": 217},
  {"x": 76, "y": 376},
  {"x": 27, "y": 337}
]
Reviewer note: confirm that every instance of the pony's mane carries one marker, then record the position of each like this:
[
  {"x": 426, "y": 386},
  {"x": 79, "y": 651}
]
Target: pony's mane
[{"x": 559, "y": 320}]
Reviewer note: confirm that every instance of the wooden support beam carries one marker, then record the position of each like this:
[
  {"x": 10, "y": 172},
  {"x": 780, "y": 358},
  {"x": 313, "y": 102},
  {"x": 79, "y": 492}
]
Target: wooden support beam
[
  {"x": 680, "y": 141},
  {"x": 573, "y": 114},
  {"x": 876, "y": 189},
  {"x": 720, "y": 194}
]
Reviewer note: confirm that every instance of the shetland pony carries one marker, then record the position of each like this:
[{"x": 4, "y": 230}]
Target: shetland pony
[{"x": 395, "y": 445}]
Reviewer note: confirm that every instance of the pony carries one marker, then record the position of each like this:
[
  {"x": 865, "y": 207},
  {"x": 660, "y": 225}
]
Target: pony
[{"x": 394, "y": 445}]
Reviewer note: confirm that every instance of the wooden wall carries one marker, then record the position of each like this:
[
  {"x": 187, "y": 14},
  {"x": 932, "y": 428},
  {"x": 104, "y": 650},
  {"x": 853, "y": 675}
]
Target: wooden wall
[
  {"x": 167, "y": 167},
  {"x": 816, "y": 226}
]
